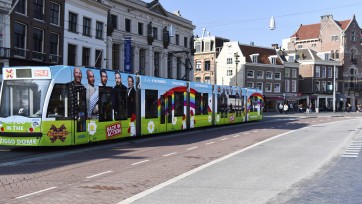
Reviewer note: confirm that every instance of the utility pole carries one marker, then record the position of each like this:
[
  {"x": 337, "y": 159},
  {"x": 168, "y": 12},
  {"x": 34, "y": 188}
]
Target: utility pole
[{"x": 236, "y": 67}]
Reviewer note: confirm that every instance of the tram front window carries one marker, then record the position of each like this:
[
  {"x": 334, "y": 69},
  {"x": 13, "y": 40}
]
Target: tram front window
[{"x": 23, "y": 97}]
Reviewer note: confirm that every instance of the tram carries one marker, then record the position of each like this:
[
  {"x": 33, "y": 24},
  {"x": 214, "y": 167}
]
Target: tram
[{"x": 66, "y": 105}]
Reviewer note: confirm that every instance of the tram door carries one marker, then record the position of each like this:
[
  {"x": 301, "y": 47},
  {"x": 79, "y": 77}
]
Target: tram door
[
  {"x": 79, "y": 113},
  {"x": 166, "y": 113}
]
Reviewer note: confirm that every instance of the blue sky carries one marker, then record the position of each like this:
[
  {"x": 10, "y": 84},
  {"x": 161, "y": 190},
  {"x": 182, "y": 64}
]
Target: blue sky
[{"x": 248, "y": 21}]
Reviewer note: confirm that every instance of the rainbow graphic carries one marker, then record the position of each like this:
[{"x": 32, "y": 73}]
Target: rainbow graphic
[{"x": 257, "y": 98}]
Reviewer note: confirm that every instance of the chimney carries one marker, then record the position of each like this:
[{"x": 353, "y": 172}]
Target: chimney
[{"x": 275, "y": 46}]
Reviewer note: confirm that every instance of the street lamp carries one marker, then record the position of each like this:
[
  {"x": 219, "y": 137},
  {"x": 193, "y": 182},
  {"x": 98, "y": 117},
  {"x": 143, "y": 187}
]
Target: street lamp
[
  {"x": 334, "y": 88},
  {"x": 236, "y": 67}
]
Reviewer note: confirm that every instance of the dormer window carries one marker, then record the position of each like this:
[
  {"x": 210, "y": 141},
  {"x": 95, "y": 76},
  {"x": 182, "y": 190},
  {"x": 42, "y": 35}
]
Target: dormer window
[
  {"x": 273, "y": 59},
  {"x": 254, "y": 58}
]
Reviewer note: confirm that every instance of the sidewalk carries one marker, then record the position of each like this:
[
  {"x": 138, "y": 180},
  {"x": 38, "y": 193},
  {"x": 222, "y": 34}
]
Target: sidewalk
[{"x": 313, "y": 114}]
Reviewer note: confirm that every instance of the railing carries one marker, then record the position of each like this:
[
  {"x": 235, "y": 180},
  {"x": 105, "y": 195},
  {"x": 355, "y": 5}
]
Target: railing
[
  {"x": 354, "y": 61},
  {"x": 20, "y": 52},
  {"x": 54, "y": 58},
  {"x": 39, "y": 55}
]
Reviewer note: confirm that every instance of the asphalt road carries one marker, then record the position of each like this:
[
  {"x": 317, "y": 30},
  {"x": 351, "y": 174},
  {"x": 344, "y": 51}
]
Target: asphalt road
[{"x": 222, "y": 165}]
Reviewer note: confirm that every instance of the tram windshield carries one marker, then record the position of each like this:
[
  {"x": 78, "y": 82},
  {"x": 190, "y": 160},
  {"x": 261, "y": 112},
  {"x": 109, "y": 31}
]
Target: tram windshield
[{"x": 23, "y": 97}]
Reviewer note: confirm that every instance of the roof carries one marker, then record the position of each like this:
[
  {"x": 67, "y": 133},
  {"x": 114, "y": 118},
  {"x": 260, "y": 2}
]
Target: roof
[
  {"x": 312, "y": 31},
  {"x": 264, "y": 54}
]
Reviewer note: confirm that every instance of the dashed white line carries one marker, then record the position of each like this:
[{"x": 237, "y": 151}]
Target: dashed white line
[
  {"x": 209, "y": 143},
  {"x": 140, "y": 162},
  {"x": 166, "y": 155},
  {"x": 48, "y": 189},
  {"x": 246, "y": 133},
  {"x": 224, "y": 139},
  {"x": 236, "y": 135},
  {"x": 191, "y": 148},
  {"x": 106, "y": 172}
]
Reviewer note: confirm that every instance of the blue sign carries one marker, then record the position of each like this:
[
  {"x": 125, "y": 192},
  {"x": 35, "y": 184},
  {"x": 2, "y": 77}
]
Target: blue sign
[{"x": 128, "y": 56}]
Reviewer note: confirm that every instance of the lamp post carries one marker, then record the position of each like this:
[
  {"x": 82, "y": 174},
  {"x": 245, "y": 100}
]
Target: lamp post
[
  {"x": 236, "y": 67},
  {"x": 334, "y": 88}
]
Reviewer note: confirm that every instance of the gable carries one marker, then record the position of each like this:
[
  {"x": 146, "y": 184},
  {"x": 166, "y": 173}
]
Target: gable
[{"x": 156, "y": 7}]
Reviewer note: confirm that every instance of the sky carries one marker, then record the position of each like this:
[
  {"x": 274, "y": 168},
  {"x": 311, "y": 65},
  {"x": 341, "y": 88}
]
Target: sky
[{"x": 248, "y": 21}]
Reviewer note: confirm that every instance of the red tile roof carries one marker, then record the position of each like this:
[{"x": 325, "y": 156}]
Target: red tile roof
[
  {"x": 312, "y": 31},
  {"x": 263, "y": 52}
]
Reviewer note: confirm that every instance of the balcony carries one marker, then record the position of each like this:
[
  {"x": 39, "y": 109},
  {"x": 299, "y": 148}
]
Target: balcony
[
  {"x": 55, "y": 59},
  {"x": 20, "y": 53},
  {"x": 39, "y": 56}
]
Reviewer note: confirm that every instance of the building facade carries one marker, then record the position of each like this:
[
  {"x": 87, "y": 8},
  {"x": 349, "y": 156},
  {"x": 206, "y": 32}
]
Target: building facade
[
  {"x": 207, "y": 49},
  {"x": 338, "y": 41}
]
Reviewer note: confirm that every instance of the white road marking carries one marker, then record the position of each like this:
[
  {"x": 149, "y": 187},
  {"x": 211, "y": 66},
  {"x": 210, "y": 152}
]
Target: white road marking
[
  {"x": 106, "y": 172},
  {"x": 48, "y": 189},
  {"x": 224, "y": 139},
  {"x": 236, "y": 135},
  {"x": 140, "y": 162},
  {"x": 192, "y": 148},
  {"x": 246, "y": 133},
  {"x": 166, "y": 155},
  {"x": 209, "y": 143}
]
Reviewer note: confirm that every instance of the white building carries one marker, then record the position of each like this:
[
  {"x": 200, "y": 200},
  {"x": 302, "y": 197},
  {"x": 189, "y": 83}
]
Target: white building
[{"x": 85, "y": 33}]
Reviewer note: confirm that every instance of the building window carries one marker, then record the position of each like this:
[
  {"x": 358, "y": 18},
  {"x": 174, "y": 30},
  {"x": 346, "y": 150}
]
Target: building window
[
  {"x": 177, "y": 39},
  {"x": 254, "y": 58},
  {"x": 273, "y": 60},
  {"x": 294, "y": 86},
  {"x": 99, "y": 30},
  {"x": 197, "y": 79},
  {"x": 276, "y": 88},
  {"x": 155, "y": 33},
  {"x": 85, "y": 56},
  {"x": 185, "y": 42},
  {"x": 54, "y": 13},
  {"x": 21, "y": 7},
  {"x": 250, "y": 74},
  {"x": 207, "y": 80},
  {"x": 54, "y": 47},
  {"x": 259, "y": 85},
  {"x": 269, "y": 75},
  {"x": 337, "y": 54},
  {"x": 157, "y": 64},
  {"x": 114, "y": 21},
  {"x": 178, "y": 68},
  {"x": 98, "y": 57},
  {"x": 301, "y": 46},
  {"x": 206, "y": 46},
  {"x": 294, "y": 73},
  {"x": 140, "y": 28},
  {"x": 316, "y": 86},
  {"x": 198, "y": 65},
  {"x": 229, "y": 72},
  {"x": 128, "y": 25},
  {"x": 197, "y": 46},
  {"x": 324, "y": 87},
  {"x": 73, "y": 18},
  {"x": 260, "y": 74},
  {"x": 38, "y": 44},
  {"x": 142, "y": 61},
  {"x": 287, "y": 72},
  {"x": 229, "y": 60},
  {"x": 207, "y": 65},
  {"x": 334, "y": 37},
  {"x": 323, "y": 72},
  {"x": 268, "y": 87},
  {"x": 329, "y": 72},
  {"x": 317, "y": 72},
  {"x": 115, "y": 57},
  {"x": 19, "y": 39},
  {"x": 72, "y": 54},
  {"x": 87, "y": 22},
  {"x": 277, "y": 75},
  {"x": 287, "y": 86},
  {"x": 39, "y": 9},
  {"x": 250, "y": 85}
]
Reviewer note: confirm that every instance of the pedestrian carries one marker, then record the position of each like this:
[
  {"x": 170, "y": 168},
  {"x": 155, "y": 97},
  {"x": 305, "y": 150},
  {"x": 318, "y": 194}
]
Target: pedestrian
[
  {"x": 349, "y": 107},
  {"x": 285, "y": 108},
  {"x": 280, "y": 107}
]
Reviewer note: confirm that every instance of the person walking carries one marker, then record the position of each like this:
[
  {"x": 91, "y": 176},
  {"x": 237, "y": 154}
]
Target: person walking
[{"x": 285, "y": 108}]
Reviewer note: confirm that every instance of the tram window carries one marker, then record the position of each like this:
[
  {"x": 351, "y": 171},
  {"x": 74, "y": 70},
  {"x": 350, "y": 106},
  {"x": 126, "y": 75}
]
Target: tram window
[
  {"x": 163, "y": 109},
  {"x": 58, "y": 103},
  {"x": 205, "y": 99},
  {"x": 179, "y": 103},
  {"x": 105, "y": 104},
  {"x": 232, "y": 103},
  {"x": 198, "y": 105},
  {"x": 222, "y": 105},
  {"x": 120, "y": 103},
  {"x": 151, "y": 104}
]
